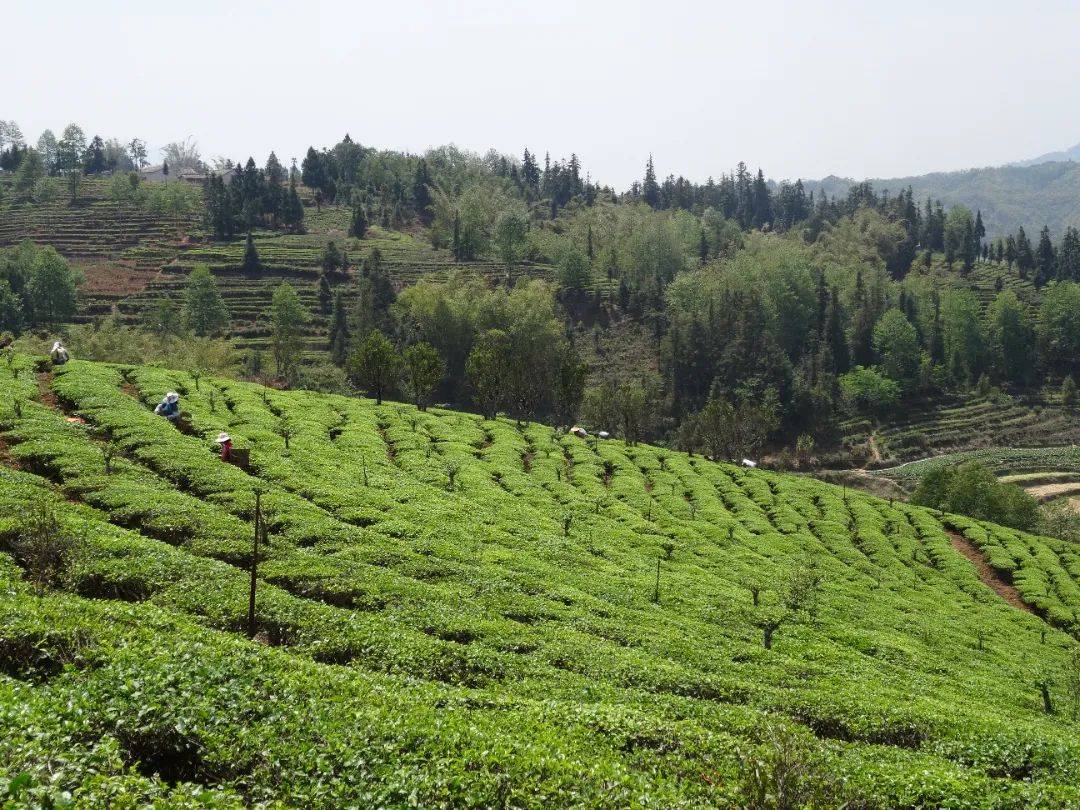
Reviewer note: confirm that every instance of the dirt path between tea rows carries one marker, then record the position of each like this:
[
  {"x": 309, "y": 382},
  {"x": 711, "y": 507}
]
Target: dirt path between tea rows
[{"x": 987, "y": 574}]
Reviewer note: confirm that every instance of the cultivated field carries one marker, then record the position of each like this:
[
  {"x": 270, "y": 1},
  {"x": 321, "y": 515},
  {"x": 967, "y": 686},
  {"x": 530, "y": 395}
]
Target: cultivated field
[{"x": 453, "y": 611}]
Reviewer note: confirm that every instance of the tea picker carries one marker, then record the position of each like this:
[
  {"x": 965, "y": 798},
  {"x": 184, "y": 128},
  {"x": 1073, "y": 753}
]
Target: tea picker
[
  {"x": 169, "y": 407},
  {"x": 226, "y": 446},
  {"x": 59, "y": 355}
]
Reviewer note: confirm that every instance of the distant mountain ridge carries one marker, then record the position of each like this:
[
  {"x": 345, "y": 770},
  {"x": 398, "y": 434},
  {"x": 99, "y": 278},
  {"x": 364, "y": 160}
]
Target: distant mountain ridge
[
  {"x": 1072, "y": 153},
  {"x": 1041, "y": 191}
]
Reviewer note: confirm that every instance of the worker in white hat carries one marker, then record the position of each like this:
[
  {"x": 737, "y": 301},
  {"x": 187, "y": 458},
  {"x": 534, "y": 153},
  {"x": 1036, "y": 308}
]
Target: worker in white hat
[
  {"x": 169, "y": 407},
  {"x": 225, "y": 441},
  {"x": 59, "y": 355}
]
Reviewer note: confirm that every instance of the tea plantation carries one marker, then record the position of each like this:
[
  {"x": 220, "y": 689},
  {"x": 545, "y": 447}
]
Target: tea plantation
[{"x": 460, "y": 612}]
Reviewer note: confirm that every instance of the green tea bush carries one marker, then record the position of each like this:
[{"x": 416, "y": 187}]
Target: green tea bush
[{"x": 492, "y": 638}]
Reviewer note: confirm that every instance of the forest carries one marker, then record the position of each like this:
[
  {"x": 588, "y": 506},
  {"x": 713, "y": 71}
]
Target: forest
[{"x": 672, "y": 310}]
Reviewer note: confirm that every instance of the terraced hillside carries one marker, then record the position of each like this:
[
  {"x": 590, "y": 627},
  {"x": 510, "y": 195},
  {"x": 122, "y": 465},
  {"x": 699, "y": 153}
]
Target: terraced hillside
[
  {"x": 132, "y": 258},
  {"x": 1005, "y": 461},
  {"x": 460, "y": 612},
  {"x": 120, "y": 247},
  {"x": 956, "y": 424}
]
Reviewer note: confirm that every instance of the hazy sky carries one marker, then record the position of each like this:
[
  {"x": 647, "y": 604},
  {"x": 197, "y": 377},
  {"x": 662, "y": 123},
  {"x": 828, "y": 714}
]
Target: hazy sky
[{"x": 799, "y": 88}]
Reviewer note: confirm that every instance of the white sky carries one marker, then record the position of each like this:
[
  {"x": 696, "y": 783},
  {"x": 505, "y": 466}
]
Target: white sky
[{"x": 800, "y": 88}]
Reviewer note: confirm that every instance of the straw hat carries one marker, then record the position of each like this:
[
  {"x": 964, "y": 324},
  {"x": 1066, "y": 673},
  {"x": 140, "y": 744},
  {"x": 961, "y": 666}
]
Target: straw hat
[
  {"x": 172, "y": 396},
  {"x": 223, "y": 437}
]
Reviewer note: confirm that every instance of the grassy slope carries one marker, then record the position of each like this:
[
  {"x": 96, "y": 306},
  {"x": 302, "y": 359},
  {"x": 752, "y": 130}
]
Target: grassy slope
[{"x": 427, "y": 643}]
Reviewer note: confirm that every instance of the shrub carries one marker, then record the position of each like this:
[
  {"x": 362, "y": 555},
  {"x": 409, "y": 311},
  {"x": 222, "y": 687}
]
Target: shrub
[
  {"x": 972, "y": 490},
  {"x": 45, "y": 547},
  {"x": 870, "y": 391}
]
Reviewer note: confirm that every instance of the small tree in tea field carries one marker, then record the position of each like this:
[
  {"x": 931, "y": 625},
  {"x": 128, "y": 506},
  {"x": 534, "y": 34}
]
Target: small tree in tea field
[{"x": 45, "y": 547}]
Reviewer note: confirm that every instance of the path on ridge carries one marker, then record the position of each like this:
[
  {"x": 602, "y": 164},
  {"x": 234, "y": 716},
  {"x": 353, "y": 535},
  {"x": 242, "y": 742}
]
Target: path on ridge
[{"x": 987, "y": 574}]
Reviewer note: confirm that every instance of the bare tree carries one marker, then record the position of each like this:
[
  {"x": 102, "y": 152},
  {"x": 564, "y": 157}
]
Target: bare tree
[{"x": 183, "y": 156}]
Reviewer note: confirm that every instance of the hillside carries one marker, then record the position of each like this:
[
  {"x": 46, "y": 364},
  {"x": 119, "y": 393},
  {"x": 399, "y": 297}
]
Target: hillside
[
  {"x": 132, "y": 258},
  {"x": 1032, "y": 196},
  {"x": 463, "y": 612}
]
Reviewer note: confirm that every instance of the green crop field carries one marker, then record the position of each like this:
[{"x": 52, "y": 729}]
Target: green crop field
[
  {"x": 1004, "y": 460},
  {"x": 460, "y": 612}
]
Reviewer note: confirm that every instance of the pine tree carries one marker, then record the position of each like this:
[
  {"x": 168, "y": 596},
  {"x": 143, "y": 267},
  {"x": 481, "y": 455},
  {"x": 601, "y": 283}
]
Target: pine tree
[
  {"x": 250, "y": 263},
  {"x": 762, "y": 202},
  {"x": 1068, "y": 258},
  {"x": 530, "y": 172},
  {"x": 862, "y": 335},
  {"x": 834, "y": 335},
  {"x": 274, "y": 194},
  {"x": 1025, "y": 258},
  {"x": 313, "y": 171},
  {"x": 293, "y": 210},
  {"x": 650, "y": 190},
  {"x": 325, "y": 294},
  {"x": 339, "y": 331},
  {"x": 332, "y": 258},
  {"x": 358, "y": 225},
  {"x": 220, "y": 218},
  {"x": 937, "y": 334},
  {"x": 421, "y": 192},
  {"x": 1045, "y": 258}
]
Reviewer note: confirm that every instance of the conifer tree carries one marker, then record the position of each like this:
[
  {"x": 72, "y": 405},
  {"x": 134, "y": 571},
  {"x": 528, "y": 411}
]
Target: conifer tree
[
  {"x": 332, "y": 258},
  {"x": 339, "y": 331},
  {"x": 1025, "y": 258},
  {"x": 250, "y": 263},
  {"x": 358, "y": 225},
  {"x": 1045, "y": 258},
  {"x": 274, "y": 194},
  {"x": 762, "y": 202},
  {"x": 292, "y": 213},
  {"x": 313, "y": 171},
  {"x": 650, "y": 190},
  {"x": 937, "y": 333},
  {"x": 1068, "y": 258},
  {"x": 325, "y": 294},
  {"x": 530, "y": 172},
  {"x": 421, "y": 192}
]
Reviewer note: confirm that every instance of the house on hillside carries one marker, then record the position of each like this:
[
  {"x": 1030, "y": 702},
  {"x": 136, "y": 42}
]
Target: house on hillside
[{"x": 156, "y": 174}]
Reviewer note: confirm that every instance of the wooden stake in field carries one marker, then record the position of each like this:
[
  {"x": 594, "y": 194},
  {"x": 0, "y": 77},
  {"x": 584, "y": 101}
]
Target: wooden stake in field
[
  {"x": 656, "y": 592},
  {"x": 254, "y": 563}
]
